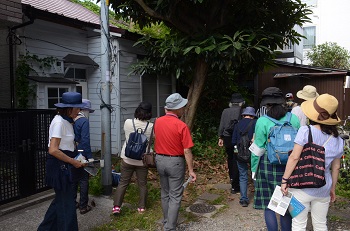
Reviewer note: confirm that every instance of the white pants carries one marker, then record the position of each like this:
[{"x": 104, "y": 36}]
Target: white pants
[{"x": 318, "y": 206}]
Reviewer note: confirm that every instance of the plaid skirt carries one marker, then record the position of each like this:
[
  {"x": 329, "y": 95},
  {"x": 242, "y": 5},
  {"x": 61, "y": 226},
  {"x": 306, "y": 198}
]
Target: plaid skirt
[{"x": 267, "y": 177}]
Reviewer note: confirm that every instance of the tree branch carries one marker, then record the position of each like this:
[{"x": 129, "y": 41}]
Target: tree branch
[{"x": 150, "y": 11}]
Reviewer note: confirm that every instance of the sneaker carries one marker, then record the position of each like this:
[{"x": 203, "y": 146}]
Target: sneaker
[
  {"x": 116, "y": 209},
  {"x": 243, "y": 203},
  {"x": 141, "y": 210},
  {"x": 233, "y": 191},
  {"x": 85, "y": 210}
]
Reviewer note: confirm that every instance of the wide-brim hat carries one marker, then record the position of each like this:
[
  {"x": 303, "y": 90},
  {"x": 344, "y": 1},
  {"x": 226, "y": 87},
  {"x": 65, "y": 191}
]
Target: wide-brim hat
[
  {"x": 307, "y": 93},
  {"x": 70, "y": 99},
  {"x": 237, "y": 98},
  {"x": 322, "y": 110},
  {"x": 175, "y": 101},
  {"x": 272, "y": 95},
  {"x": 250, "y": 111},
  {"x": 87, "y": 105}
]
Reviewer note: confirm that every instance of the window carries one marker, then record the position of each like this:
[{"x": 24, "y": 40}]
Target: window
[
  {"x": 54, "y": 95},
  {"x": 312, "y": 3},
  {"x": 310, "y": 34},
  {"x": 155, "y": 90},
  {"x": 76, "y": 74}
]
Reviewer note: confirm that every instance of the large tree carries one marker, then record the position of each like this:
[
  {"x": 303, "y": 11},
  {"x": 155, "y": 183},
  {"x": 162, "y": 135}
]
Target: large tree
[
  {"x": 330, "y": 55},
  {"x": 209, "y": 36}
]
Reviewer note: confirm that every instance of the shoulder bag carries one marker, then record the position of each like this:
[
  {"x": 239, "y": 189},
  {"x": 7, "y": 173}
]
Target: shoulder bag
[
  {"x": 310, "y": 169},
  {"x": 149, "y": 158}
]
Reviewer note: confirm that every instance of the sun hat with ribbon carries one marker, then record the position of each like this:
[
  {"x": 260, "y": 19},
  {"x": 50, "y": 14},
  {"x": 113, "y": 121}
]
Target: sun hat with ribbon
[
  {"x": 308, "y": 92},
  {"x": 175, "y": 101},
  {"x": 322, "y": 110},
  {"x": 87, "y": 105},
  {"x": 70, "y": 99}
]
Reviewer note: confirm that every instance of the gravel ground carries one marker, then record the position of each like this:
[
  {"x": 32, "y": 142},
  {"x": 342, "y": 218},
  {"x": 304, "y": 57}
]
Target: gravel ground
[{"x": 234, "y": 217}]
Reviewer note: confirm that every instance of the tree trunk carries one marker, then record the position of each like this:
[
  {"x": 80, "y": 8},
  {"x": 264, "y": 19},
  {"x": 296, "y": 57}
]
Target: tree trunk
[{"x": 195, "y": 91}]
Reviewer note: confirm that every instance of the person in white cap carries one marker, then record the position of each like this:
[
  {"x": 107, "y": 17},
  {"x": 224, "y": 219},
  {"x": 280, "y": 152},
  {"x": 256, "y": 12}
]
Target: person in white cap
[
  {"x": 307, "y": 93},
  {"x": 290, "y": 101},
  {"x": 82, "y": 139},
  {"x": 173, "y": 143}
]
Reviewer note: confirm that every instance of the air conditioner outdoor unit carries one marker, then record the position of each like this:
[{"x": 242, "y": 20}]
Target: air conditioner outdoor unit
[{"x": 57, "y": 67}]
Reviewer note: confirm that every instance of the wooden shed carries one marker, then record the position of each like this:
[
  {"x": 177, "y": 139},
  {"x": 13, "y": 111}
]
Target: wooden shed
[{"x": 290, "y": 77}]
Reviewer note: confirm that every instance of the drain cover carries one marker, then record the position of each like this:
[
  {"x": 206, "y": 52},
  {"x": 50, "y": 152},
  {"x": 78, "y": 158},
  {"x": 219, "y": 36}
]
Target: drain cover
[{"x": 202, "y": 208}]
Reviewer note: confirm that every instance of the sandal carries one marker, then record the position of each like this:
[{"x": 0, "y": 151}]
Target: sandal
[
  {"x": 116, "y": 209},
  {"x": 141, "y": 210},
  {"x": 85, "y": 210}
]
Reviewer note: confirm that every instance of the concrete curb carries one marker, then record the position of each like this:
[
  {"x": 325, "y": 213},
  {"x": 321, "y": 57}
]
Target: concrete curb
[{"x": 26, "y": 202}]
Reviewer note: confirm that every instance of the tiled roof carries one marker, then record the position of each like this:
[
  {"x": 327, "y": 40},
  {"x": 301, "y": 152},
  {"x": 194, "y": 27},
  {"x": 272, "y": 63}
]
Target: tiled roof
[{"x": 65, "y": 8}]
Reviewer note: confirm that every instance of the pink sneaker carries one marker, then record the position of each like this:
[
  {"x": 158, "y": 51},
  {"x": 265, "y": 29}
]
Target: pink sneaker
[
  {"x": 116, "y": 209},
  {"x": 141, "y": 210}
]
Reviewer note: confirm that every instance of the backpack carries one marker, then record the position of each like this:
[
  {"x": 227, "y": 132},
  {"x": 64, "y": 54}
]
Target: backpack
[
  {"x": 280, "y": 140},
  {"x": 244, "y": 144},
  {"x": 137, "y": 143}
]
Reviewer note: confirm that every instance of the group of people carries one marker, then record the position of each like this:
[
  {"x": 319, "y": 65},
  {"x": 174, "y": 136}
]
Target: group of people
[
  {"x": 319, "y": 112},
  {"x": 173, "y": 143},
  {"x": 69, "y": 132}
]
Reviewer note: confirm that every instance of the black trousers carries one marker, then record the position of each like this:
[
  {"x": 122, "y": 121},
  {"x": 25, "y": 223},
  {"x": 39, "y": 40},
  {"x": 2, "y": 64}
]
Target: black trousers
[{"x": 231, "y": 162}]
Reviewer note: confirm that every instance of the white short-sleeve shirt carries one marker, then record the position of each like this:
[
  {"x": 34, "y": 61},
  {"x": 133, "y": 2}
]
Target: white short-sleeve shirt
[{"x": 61, "y": 128}]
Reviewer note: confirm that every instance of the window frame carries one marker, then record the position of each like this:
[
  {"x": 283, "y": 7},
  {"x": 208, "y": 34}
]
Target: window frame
[
  {"x": 47, "y": 87},
  {"x": 309, "y": 45}
]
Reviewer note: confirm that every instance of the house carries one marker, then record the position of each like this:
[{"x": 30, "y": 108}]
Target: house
[
  {"x": 328, "y": 24},
  {"x": 70, "y": 34},
  {"x": 291, "y": 77},
  {"x": 10, "y": 17}
]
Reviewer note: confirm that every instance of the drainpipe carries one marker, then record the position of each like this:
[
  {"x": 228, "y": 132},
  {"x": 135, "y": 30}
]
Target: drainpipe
[{"x": 12, "y": 74}]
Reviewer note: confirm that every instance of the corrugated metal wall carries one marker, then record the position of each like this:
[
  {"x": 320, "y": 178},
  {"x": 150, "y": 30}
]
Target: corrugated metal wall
[{"x": 324, "y": 84}]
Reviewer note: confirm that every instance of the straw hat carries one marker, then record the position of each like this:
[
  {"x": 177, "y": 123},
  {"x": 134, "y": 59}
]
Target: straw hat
[
  {"x": 309, "y": 92},
  {"x": 322, "y": 110}
]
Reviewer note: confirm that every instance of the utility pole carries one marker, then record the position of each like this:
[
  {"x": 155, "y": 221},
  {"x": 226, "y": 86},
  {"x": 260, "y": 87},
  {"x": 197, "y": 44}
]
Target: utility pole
[{"x": 106, "y": 100}]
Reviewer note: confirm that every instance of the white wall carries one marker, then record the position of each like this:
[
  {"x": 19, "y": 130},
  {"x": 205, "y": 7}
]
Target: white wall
[{"x": 331, "y": 20}]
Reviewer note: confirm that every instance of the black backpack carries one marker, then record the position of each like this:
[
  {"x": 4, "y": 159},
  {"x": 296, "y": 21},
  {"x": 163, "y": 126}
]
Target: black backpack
[
  {"x": 137, "y": 143},
  {"x": 244, "y": 144}
]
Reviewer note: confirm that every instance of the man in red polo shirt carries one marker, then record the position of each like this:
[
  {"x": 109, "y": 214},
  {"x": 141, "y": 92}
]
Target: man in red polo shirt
[{"x": 173, "y": 143}]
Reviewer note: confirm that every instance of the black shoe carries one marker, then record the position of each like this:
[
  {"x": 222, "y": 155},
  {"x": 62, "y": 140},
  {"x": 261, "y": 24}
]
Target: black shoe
[
  {"x": 233, "y": 191},
  {"x": 243, "y": 203},
  {"x": 85, "y": 210}
]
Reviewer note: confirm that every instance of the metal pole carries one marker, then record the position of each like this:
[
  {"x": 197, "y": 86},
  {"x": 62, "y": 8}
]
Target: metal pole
[{"x": 106, "y": 100}]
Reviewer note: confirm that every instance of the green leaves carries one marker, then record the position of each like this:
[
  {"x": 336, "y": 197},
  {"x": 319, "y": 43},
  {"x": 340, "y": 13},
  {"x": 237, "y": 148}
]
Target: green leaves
[{"x": 329, "y": 55}]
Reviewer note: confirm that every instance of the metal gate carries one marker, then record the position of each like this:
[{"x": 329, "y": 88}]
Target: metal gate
[{"x": 23, "y": 149}]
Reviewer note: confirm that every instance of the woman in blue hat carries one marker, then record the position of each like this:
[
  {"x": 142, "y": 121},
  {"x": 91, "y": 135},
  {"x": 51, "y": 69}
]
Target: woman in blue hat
[{"x": 61, "y": 167}]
